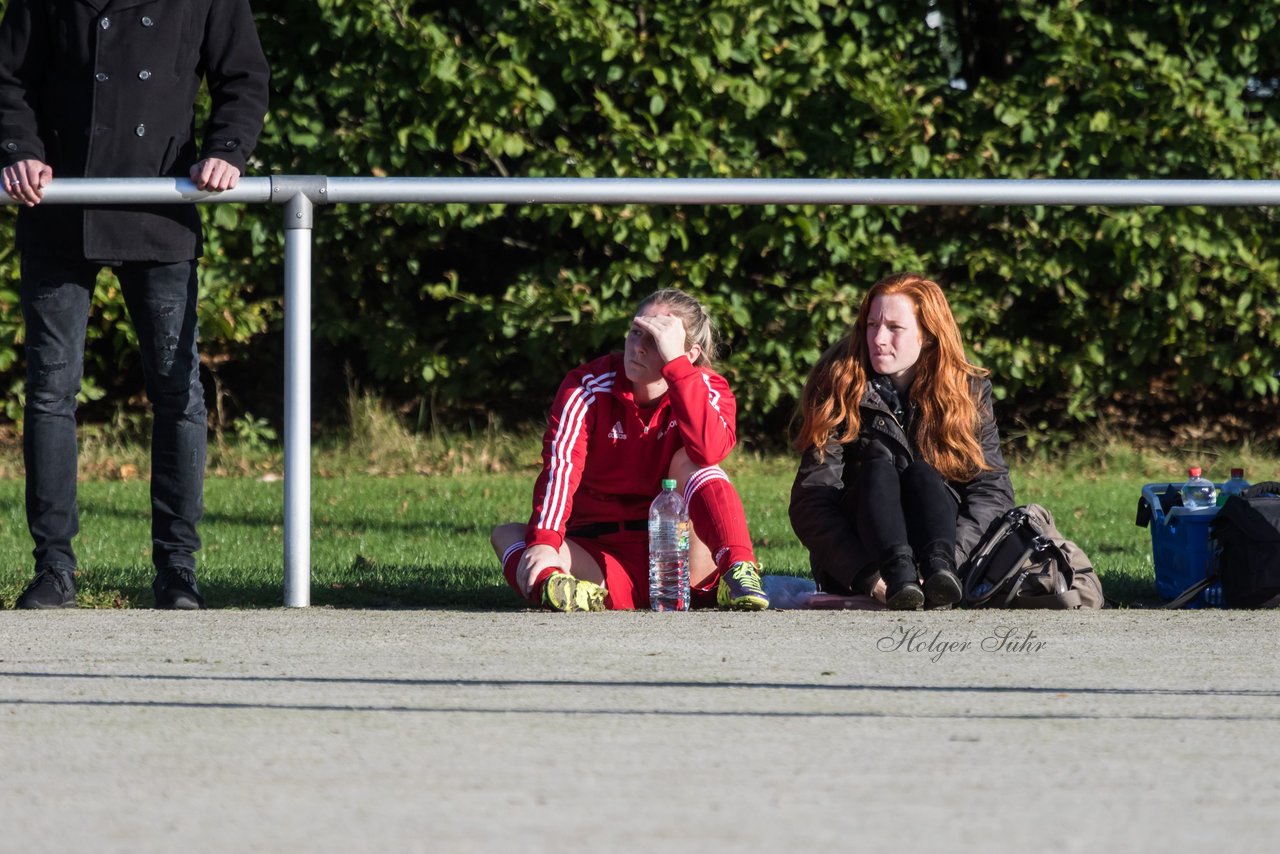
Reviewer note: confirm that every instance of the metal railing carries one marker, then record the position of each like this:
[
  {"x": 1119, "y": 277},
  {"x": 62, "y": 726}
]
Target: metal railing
[{"x": 299, "y": 194}]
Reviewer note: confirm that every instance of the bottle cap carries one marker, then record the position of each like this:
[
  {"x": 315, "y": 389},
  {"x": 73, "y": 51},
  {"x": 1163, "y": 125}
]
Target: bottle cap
[
  {"x": 1194, "y": 471},
  {"x": 1237, "y": 472},
  {"x": 668, "y": 483}
]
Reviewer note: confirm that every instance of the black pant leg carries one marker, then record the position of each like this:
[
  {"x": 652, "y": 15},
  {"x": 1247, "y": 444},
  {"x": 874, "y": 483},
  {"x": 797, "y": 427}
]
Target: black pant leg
[
  {"x": 875, "y": 506},
  {"x": 55, "y": 296},
  {"x": 162, "y": 304},
  {"x": 930, "y": 508}
]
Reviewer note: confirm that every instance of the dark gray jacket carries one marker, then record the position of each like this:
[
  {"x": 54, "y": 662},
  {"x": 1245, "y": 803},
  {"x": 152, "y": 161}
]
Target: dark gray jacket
[
  {"x": 107, "y": 89},
  {"x": 836, "y": 557}
]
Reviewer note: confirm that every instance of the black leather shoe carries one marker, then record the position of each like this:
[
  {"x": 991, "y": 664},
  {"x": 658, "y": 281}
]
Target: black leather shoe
[
  {"x": 53, "y": 587},
  {"x": 176, "y": 590}
]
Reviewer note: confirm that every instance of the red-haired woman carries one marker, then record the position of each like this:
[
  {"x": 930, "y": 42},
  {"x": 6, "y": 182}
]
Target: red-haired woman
[
  {"x": 902, "y": 471},
  {"x": 619, "y": 425}
]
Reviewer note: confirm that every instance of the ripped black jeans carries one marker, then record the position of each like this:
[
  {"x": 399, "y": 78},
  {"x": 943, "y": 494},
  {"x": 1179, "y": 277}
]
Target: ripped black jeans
[{"x": 161, "y": 299}]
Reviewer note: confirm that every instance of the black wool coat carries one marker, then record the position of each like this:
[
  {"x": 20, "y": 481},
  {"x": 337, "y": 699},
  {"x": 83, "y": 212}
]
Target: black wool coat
[
  {"x": 837, "y": 558},
  {"x": 107, "y": 89}
]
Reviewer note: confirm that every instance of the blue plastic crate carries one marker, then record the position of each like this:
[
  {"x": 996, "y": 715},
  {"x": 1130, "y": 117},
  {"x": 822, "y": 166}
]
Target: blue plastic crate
[{"x": 1181, "y": 548}]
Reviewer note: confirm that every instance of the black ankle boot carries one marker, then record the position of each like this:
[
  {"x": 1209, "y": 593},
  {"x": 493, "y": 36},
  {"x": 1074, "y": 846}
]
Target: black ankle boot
[
  {"x": 902, "y": 583},
  {"x": 942, "y": 585}
]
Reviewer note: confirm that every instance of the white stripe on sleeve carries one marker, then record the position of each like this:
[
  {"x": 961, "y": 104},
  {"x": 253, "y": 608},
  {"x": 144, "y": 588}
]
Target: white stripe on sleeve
[{"x": 572, "y": 420}]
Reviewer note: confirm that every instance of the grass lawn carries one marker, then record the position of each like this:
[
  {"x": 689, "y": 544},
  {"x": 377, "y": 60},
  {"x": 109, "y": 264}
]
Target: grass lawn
[{"x": 422, "y": 540}]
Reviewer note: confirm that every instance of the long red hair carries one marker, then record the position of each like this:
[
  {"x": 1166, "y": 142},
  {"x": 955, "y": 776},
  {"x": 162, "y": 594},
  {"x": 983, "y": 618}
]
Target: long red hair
[{"x": 946, "y": 429}]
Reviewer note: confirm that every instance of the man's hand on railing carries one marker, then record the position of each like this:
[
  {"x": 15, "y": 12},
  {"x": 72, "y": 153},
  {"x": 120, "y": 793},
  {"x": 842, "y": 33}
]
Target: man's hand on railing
[
  {"x": 25, "y": 181},
  {"x": 214, "y": 174}
]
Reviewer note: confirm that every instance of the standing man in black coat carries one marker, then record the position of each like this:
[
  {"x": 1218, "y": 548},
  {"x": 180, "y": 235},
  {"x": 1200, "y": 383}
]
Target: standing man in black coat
[{"x": 107, "y": 89}]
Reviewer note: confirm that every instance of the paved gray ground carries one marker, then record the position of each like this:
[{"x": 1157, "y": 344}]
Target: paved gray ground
[{"x": 321, "y": 730}]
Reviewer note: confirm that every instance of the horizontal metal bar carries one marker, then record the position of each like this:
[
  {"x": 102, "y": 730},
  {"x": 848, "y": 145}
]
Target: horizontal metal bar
[
  {"x": 689, "y": 191},
  {"x": 792, "y": 191},
  {"x": 151, "y": 191}
]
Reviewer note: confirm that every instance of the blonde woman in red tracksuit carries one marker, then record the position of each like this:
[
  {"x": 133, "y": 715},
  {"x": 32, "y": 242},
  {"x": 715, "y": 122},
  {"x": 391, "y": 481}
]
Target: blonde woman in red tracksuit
[{"x": 619, "y": 425}]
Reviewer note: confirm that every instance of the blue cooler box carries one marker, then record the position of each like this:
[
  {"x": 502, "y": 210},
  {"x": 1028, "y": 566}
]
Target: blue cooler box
[{"x": 1180, "y": 546}]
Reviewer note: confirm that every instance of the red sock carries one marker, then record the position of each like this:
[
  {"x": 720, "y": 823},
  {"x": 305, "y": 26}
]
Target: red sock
[
  {"x": 718, "y": 517},
  {"x": 511, "y": 560}
]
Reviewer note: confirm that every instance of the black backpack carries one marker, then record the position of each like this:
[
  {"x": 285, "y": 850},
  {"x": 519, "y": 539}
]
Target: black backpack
[{"x": 1246, "y": 531}]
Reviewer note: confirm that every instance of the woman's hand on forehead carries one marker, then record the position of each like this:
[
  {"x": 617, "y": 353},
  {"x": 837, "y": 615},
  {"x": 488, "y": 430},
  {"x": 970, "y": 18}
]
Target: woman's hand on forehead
[{"x": 667, "y": 332}]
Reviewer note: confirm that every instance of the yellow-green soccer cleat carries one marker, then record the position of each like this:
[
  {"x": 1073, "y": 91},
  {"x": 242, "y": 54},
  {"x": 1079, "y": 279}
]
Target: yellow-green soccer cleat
[
  {"x": 563, "y": 592},
  {"x": 740, "y": 590}
]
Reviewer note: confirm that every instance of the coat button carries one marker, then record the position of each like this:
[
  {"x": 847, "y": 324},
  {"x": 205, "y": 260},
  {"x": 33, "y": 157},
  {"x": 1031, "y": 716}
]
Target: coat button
[
  {"x": 105, "y": 23},
  {"x": 11, "y": 146},
  {"x": 231, "y": 143},
  {"x": 147, "y": 22},
  {"x": 101, "y": 77},
  {"x": 144, "y": 74},
  {"x": 140, "y": 130}
]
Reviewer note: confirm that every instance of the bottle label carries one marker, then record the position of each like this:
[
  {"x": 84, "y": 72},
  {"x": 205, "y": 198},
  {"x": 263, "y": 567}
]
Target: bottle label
[{"x": 670, "y": 531}]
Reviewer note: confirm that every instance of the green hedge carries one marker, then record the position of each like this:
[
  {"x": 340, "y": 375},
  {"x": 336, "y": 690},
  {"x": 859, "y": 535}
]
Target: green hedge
[{"x": 476, "y": 311}]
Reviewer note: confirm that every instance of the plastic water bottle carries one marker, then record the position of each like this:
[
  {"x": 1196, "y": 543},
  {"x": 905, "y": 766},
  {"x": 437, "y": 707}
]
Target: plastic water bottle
[
  {"x": 668, "y": 551},
  {"x": 1198, "y": 493},
  {"x": 1236, "y": 485}
]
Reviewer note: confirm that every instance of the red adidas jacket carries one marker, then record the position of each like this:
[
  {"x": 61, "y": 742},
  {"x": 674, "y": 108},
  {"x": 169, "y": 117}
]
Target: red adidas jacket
[{"x": 604, "y": 457}]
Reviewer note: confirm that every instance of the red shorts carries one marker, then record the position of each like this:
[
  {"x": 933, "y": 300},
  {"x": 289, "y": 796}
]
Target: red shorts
[{"x": 623, "y": 557}]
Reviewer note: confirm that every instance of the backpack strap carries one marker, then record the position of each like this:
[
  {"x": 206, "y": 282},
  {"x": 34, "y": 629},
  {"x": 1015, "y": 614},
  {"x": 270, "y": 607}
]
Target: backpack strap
[
  {"x": 1015, "y": 585},
  {"x": 978, "y": 565},
  {"x": 978, "y": 575},
  {"x": 1191, "y": 592}
]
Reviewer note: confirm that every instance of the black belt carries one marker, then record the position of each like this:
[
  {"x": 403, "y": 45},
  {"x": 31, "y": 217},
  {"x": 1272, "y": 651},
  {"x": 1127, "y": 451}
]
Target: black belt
[{"x": 599, "y": 529}]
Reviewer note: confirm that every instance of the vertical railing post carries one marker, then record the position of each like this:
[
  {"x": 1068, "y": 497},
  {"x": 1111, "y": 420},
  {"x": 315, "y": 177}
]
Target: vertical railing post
[{"x": 297, "y": 196}]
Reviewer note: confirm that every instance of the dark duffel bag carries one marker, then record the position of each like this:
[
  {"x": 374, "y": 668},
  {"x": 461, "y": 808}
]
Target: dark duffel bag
[{"x": 1247, "y": 530}]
